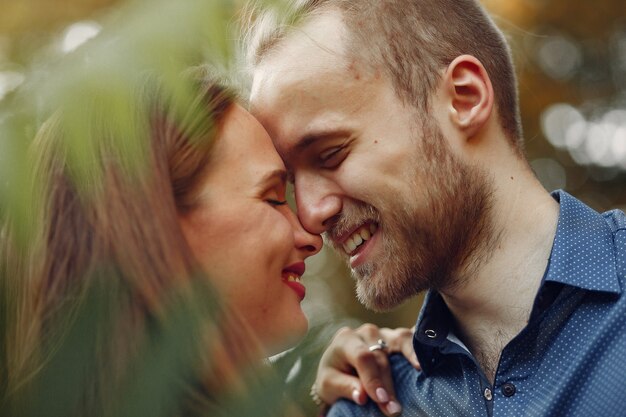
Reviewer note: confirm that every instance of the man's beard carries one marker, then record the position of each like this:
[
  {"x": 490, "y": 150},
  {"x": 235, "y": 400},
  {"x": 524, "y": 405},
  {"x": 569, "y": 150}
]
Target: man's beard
[{"x": 433, "y": 239}]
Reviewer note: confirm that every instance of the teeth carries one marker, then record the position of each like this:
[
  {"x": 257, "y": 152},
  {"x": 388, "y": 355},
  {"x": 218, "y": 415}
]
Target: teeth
[
  {"x": 359, "y": 236},
  {"x": 292, "y": 278}
]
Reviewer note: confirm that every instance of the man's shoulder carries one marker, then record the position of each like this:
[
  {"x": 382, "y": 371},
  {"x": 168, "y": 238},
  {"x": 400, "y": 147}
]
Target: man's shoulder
[
  {"x": 616, "y": 220},
  {"x": 404, "y": 376}
]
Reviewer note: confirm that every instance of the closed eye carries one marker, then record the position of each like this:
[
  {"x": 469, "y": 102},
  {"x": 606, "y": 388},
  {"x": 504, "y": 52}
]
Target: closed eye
[
  {"x": 332, "y": 157},
  {"x": 276, "y": 202}
]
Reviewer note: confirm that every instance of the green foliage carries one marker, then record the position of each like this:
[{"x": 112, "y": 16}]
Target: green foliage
[
  {"x": 157, "y": 379},
  {"x": 100, "y": 78},
  {"x": 93, "y": 92}
]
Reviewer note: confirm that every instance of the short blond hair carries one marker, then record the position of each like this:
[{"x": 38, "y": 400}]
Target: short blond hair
[{"x": 411, "y": 40}]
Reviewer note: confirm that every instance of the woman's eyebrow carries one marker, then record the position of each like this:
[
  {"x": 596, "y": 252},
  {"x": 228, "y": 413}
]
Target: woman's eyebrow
[{"x": 272, "y": 176}]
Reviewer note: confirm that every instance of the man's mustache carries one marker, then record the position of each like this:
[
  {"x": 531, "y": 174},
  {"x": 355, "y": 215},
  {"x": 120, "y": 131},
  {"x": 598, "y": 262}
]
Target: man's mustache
[{"x": 351, "y": 217}]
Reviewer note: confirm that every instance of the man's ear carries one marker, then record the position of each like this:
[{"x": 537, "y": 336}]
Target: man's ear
[{"x": 470, "y": 94}]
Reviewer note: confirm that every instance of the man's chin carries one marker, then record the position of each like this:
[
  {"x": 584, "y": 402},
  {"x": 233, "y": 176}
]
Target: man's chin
[{"x": 375, "y": 298}]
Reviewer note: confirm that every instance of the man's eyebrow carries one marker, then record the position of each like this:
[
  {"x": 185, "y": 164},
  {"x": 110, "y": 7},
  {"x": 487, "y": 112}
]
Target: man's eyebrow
[{"x": 310, "y": 139}]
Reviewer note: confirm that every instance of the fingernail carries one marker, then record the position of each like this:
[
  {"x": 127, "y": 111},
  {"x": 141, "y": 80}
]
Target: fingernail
[
  {"x": 393, "y": 408},
  {"x": 356, "y": 396},
  {"x": 382, "y": 395}
]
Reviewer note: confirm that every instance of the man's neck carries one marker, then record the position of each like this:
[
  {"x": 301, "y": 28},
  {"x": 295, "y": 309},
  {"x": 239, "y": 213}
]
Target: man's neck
[{"x": 493, "y": 304}]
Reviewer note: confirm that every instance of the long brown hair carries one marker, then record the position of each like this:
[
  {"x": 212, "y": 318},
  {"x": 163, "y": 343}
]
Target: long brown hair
[{"x": 107, "y": 259}]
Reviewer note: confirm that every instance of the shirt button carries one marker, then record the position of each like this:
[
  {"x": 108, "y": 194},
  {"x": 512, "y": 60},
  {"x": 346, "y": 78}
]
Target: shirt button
[
  {"x": 488, "y": 395},
  {"x": 508, "y": 389}
]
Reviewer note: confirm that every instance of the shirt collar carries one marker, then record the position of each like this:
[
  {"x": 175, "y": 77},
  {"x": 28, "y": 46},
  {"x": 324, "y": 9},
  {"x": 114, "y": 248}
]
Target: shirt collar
[
  {"x": 583, "y": 253},
  {"x": 580, "y": 230},
  {"x": 432, "y": 331}
]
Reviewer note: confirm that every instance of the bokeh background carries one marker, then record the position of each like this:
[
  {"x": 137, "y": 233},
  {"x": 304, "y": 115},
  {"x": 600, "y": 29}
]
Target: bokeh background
[{"x": 571, "y": 62}]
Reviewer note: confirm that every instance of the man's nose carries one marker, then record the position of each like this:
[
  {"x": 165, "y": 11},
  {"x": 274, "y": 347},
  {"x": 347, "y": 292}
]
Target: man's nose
[{"x": 318, "y": 200}]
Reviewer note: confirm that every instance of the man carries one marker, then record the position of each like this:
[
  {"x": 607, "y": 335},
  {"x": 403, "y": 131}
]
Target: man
[{"x": 399, "y": 122}]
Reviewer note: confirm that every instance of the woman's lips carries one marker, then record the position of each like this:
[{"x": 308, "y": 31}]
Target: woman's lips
[
  {"x": 299, "y": 289},
  {"x": 291, "y": 277}
]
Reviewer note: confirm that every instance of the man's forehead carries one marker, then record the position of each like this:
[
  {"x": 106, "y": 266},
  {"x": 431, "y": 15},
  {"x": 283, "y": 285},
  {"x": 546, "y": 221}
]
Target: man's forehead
[
  {"x": 323, "y": 33},
  {"x": 309, "y": 65},
  {"x": 314, "y": 47},
  {"x": 307, "y": 83},
  {"x": 297, "y": 79},
  {"x": 317, "y": 106}
]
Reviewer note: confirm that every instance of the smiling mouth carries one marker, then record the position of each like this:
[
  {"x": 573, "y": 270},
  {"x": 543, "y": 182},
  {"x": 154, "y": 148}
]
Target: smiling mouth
[
  {"x": 292, "y": 280},
  {"x": 358, "y": 238},
  {"x": 291, "y": 277}
]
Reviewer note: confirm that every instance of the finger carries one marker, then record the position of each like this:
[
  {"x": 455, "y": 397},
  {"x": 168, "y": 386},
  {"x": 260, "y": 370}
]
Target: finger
[
  {"x": 369, "y": 367},
  {"x": 336, "y": 371},
  {"x": 334, "y": 385},
  {"x": 351, "y": 347},
  {"x": 412, "y": 358},
  {"x": 349, "y": 353},
  {"x": 337, "y": 355},
  {"x": 377, "y": 379},
  {"x": 369, "y": 332},
  {"x": 374, "y": 372},
  {"x": 391, "y": 409},
  {"x": 398, "y": 340},
  {"x": 401, "y": 340}
]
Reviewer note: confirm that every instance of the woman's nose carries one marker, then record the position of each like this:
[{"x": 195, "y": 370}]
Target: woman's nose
[{"x": 309, "y": 243}]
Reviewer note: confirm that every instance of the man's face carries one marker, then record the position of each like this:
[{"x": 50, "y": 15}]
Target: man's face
[{"x": 370, "y": 172}]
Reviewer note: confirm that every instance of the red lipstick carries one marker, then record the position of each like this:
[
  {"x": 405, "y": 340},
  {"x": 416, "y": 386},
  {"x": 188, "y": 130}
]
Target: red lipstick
[{"x": 291, "y": 277}]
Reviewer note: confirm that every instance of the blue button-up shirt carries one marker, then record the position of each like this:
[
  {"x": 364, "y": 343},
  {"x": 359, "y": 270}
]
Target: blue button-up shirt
[{"x": 569, "y": 360}]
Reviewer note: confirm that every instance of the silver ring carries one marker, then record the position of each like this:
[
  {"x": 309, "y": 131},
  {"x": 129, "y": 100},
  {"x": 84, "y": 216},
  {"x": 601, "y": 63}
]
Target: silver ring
[{"x": 379, "y": 345}]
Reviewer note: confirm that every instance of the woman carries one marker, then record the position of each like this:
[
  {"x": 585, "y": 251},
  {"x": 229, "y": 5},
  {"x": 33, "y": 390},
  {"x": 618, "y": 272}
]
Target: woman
[
  {"x": 110, "y": 298},
  {"x": 123, "y": 247}
]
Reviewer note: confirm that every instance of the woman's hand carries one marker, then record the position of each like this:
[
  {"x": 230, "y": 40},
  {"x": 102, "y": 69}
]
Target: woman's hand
[{"x": 354, "y": 366}]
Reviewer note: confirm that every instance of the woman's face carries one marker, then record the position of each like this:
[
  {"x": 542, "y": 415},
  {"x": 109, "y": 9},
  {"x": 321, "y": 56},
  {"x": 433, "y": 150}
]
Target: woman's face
[{"x": 247, "y": 239}]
